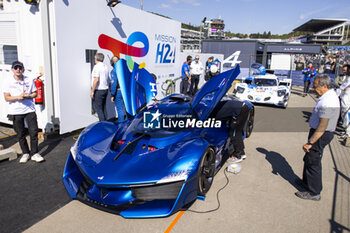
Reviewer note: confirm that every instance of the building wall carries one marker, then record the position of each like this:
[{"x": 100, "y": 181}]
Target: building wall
[
  {"x": 246, "y": 49},
  {"x": 76, "y": 28}
]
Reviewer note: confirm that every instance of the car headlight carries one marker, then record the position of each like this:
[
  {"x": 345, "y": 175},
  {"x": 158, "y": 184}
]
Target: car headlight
[
  {"x": 74, "y": 150},
  {"x": 173, "y": 177},
  {"x": 281, "y": 93},
  {"x": 240, "y": 90}
]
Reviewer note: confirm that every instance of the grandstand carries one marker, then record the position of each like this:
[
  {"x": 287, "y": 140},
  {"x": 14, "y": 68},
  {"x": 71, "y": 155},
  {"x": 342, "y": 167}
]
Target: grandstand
[
  {"x": 325, "y": 31},
  {"x": 190, "y": 40}
]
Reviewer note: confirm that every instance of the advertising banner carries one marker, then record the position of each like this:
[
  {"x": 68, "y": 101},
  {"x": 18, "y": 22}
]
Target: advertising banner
[
  {"x": 150, "y": 40},
  {"x": 286, "y": 48}
]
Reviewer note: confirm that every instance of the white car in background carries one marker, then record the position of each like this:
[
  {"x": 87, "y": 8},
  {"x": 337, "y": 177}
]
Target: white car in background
[{"x": 264, "y": 89}]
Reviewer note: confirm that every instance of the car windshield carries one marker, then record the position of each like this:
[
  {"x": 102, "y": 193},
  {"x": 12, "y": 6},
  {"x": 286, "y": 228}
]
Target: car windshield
[{"x": 265, "y": 82}]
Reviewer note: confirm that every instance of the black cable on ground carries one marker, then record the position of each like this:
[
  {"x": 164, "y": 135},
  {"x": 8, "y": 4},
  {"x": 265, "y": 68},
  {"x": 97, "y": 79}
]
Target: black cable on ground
[{"x": 217, "y": 198}]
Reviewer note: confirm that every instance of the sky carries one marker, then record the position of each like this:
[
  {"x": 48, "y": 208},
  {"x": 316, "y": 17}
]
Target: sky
[{"x": 248, "y": 16}]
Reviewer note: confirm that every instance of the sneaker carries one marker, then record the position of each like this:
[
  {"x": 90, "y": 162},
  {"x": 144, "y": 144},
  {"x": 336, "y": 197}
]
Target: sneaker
[
  {"x": 24, "y": 159},
  {"x": 234, "y": 159},
  {"x": 37, "y": 158},
  {"x": 237, "y": 154},
  {"x": 308, "y": 196}
]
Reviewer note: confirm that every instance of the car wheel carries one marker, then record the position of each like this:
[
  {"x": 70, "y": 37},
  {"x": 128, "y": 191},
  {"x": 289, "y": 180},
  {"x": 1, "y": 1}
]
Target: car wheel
[
  {"x": 206, "y": 171},
  {"x": 250, "y": 124}
]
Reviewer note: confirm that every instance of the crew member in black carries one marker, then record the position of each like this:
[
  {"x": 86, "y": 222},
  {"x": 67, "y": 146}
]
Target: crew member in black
[{"x": 236, "y": 112}]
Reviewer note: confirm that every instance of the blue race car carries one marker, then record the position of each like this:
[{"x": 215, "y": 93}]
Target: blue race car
[{"x": 158, "y": 161}]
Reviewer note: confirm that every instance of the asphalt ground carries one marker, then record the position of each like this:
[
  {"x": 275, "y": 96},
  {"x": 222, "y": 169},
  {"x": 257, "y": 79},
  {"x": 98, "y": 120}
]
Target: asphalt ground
[
  {"x": 258, "y": 199},
  {"x": 29, "y": 192}
]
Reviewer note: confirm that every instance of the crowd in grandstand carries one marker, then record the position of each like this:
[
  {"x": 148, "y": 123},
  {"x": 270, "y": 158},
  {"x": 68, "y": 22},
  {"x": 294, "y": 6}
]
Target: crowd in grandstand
[
  {"x": 334, "y": 61},
  {"x": 331, "y": 60}
]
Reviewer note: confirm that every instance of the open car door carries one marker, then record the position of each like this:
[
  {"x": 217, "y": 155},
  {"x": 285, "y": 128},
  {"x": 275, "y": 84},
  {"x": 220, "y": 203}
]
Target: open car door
[
  {"x": 211, "y": 93},
  {"x": 138, "y": 87}
]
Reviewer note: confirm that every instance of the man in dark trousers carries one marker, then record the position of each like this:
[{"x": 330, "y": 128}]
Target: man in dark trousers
[
  {"x": 99, "y": 86},
  {"x": 186, "y": 76},
  {"x": 236, "y": 113},
  {"x": 323, "y": 122},
  {"x": 19, "y": 92},
  {"x": 196, "y": 71}
]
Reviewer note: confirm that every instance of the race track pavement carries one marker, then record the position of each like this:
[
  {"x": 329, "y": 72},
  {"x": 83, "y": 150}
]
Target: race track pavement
[{"x": 259, "y": 199}]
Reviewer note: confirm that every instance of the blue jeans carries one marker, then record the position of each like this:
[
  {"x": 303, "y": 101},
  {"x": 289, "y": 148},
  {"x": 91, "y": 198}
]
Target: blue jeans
[{"x": 119, "y": 104}]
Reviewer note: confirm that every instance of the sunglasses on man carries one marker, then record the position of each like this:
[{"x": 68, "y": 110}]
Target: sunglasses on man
[{"x": 18, "y": 67}]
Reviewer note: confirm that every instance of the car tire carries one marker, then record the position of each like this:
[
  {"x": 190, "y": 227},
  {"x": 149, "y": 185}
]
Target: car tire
[
  {"x": 250, "y": 123},
  {"x": 206, "y": 171},
  {"x": 285, "y": 106}
]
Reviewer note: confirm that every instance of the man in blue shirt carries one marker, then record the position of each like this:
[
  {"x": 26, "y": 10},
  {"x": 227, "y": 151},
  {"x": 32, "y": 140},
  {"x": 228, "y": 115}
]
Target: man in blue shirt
[
  {"x": 309, "y": 73},
  {"x": 186, "y": 77}
]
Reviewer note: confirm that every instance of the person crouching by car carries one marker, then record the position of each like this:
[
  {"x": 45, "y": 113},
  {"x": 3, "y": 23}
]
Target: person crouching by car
[
  {"x": 309, "y": 72},
  {"x": 19, "y": 92},
  {"x": 235, "y": 112}
]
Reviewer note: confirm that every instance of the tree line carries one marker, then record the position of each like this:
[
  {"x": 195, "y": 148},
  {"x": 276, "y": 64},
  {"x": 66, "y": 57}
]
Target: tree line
[{"x": 264, "y": 35}]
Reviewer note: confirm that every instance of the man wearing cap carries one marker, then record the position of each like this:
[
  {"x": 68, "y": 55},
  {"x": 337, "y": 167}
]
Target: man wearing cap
[{"x": 19, "y": 92}]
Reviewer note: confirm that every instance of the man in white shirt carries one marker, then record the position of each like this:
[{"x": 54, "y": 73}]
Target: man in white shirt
[
  {"x": 322, "y": 122},
  {"x": 196, "y": 71},
  {"x": 19, "y": 92},
  {"x": 344, "y": 92},
  {"x": 100, "y": 86}
]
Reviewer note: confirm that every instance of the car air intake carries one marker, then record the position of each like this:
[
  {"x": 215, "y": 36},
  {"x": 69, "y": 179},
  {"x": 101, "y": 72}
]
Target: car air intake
[{"x": 159, "y": 192}]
